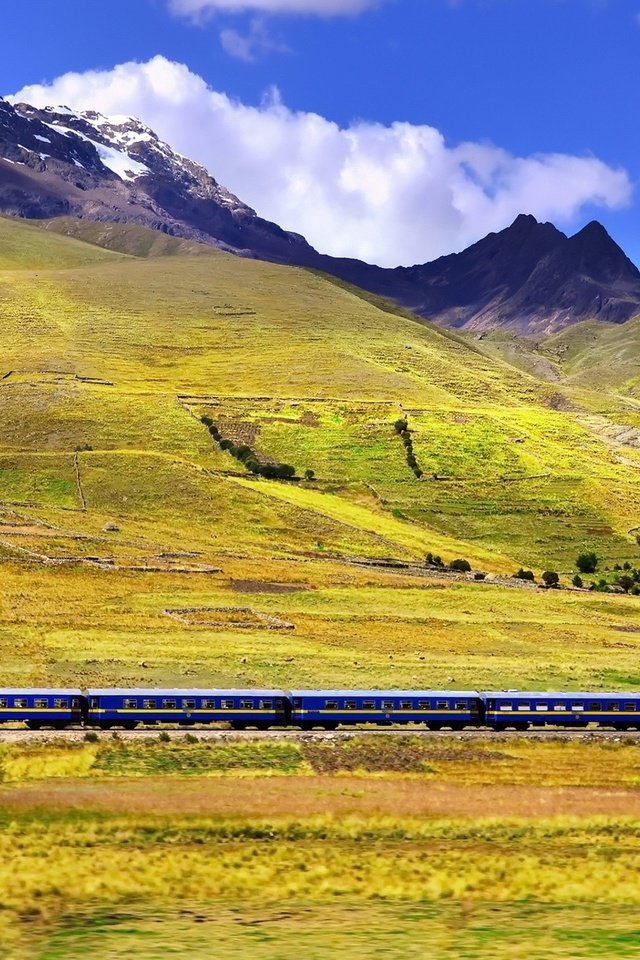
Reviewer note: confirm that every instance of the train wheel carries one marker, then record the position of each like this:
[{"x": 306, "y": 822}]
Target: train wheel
[
  {"x": 238, "y": 725},
  {"x": 33, "y": 725}
]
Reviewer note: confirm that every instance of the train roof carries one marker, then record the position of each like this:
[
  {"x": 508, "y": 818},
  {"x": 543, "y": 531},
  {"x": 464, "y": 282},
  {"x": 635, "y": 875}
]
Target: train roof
[
  {"x": 555, "y": 695},
  {"x": 181, "y": 692},
  {"x": 40, "y": 691},
  {"x": 384, "y": 693}
]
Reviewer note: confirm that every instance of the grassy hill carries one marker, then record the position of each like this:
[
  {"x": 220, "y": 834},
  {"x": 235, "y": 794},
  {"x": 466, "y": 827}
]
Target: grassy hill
[{"x": 117, "y": 509}]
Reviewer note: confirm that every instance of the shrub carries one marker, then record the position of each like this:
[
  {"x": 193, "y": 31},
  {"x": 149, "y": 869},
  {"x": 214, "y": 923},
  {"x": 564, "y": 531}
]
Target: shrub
[
  {"x": 406, "y": 439},
  {"x": 550, "y": 578},
  {"x": 208, "y": 422},
  {"x": 285, "y": 471},
  {"x": 577, "y": 581},
  {"x": 478, "y": 575},
  {"x": 461, "y": 566},
  {"x": 433, "y": 560},
  {"x": 225, "y": 444},
  {"x": 252, "y": 466},
  {"x": 524, "y": 575},
  {"x": 243, "y": 452},
  {"x": 635, "y": 590},
  {"x": 164, "y": 737},
  {"x": 309, "y": 475},
  {"x": 417, "y": 471},
  {"x": 400, "y": 426},
  {"x": 626, "y": 582},
  {"x": 91, "y": 736},
  {"x": 587, "y": 562},
  {"x": 626, "y": 565}
]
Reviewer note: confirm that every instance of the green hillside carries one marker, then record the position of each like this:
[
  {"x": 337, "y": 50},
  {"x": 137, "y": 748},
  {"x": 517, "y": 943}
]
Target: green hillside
[{"x": 117, "y": 506}]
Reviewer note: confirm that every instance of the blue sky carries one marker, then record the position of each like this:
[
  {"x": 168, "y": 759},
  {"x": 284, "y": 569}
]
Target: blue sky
[{"x": 526, "y": 77}]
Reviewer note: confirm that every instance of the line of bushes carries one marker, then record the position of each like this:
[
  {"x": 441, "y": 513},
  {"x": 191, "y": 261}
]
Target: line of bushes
[
  {"x": 249, "y": 458},
  {"x": 402, "y": 429}
]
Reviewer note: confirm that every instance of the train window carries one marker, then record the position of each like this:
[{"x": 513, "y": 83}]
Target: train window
[
  {"x": 461, "y": 706},
  {"x": 297, "y": 703},
  {"x": 506, "y": 707},
  {"x": 40, "y": 703},
  {"x": 21, "y": 702},
  {"x": 331, "y": 704},
  {"x": 75, "y": 702},
  {"x": 149, "y": 704},
  {"x": 63, "y": 704},
  {"x": 595, "y": 706},
  {"x": 423, "y": 704},
  {"x": 266, "y": 704},
  {"x": 351, "y": 704},
  {"x": 442, "y": 705},
  {"x": 278, "y": 701},
  {"x": 4, "y": 703},
  {"x": 208, "y": 704},
  {"x": 630, "y": 706},
  {"x": 524, "y": 706},
  {"x": 227, "y": 704},
  {"x": 188, "y": 704},
  {"x": 559, "y": 707},
  {"x": 615, "y": 707},
  {"x": 169, "y": 704},
  {"x": 577, "y": 706},
  {"x": 406, "y": 705},
  {"x": 95, "y": 703},
  {"x": 369, "y": 704},
  {"x": 542, "y": 707},
  {"x": 246, "y": 704},
  {"x": 130, "y": 703}
]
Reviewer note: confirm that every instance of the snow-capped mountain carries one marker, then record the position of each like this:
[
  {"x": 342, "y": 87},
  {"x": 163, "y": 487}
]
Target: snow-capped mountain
[
  {"x": 530, "y": 277},
  {"x": 55, "y": 162}
]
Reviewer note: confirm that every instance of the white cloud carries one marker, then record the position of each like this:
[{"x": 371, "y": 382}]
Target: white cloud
[
  {"x": 323, "y": 8},
  {"x": 388, "y": 194},
  {"x": 247, "y": 46}
]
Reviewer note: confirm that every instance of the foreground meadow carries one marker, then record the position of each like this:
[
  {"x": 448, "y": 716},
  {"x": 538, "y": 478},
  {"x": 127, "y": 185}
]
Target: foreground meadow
[{"x": 133, "y": 850}]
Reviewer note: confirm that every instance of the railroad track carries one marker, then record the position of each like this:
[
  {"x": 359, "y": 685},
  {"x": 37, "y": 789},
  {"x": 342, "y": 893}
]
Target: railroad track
[{"x": 79, "y": 735}]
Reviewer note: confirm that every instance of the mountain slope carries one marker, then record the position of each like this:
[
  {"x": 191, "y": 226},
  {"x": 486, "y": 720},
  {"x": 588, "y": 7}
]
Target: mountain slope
[
  {"x": 110, "y": 361},
  {"x": 530, "y": 277}
]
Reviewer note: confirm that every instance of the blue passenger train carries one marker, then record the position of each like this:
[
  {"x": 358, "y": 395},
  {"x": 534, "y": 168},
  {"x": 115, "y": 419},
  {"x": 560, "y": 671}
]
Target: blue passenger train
[{"x": 327, "y": 709}]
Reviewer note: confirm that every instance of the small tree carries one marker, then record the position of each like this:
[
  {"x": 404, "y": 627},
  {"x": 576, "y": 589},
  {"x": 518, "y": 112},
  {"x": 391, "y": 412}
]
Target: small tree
[
  {"x": 626, "y": 582},
  {"x": 550, "y": 578},
  {"x": 460, "y": 566},
  {"x": 208, "y": 422},
  {"x": 578, "y": 581},
  {"x": 309, "y": 475},
  {"x": 587, "y": 562},
  {"x": 284, "y": 471},
  {"x": 524, "y": 575},
  {"x": 244, "y": 453},
  {"x": 225, "y": 444},
  {"x": 400, "y": 426}
]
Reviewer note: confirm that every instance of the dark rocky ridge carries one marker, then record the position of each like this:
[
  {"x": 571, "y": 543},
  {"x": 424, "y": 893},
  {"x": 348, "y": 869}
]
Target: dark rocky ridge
[{"x": 530, "y": 277}]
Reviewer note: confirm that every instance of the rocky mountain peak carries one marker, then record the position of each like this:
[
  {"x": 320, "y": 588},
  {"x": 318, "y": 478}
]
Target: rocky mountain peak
[{"x": 529, "y": 276}]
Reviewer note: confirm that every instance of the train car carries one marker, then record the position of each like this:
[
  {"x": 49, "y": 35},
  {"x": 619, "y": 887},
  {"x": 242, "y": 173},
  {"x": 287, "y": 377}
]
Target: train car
[
  {"x": 435, "y": 708},
  {"x": 241, "y": 708},
  {"x": 521, "y": 709},
  {"x": 42, "y": 708}
]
